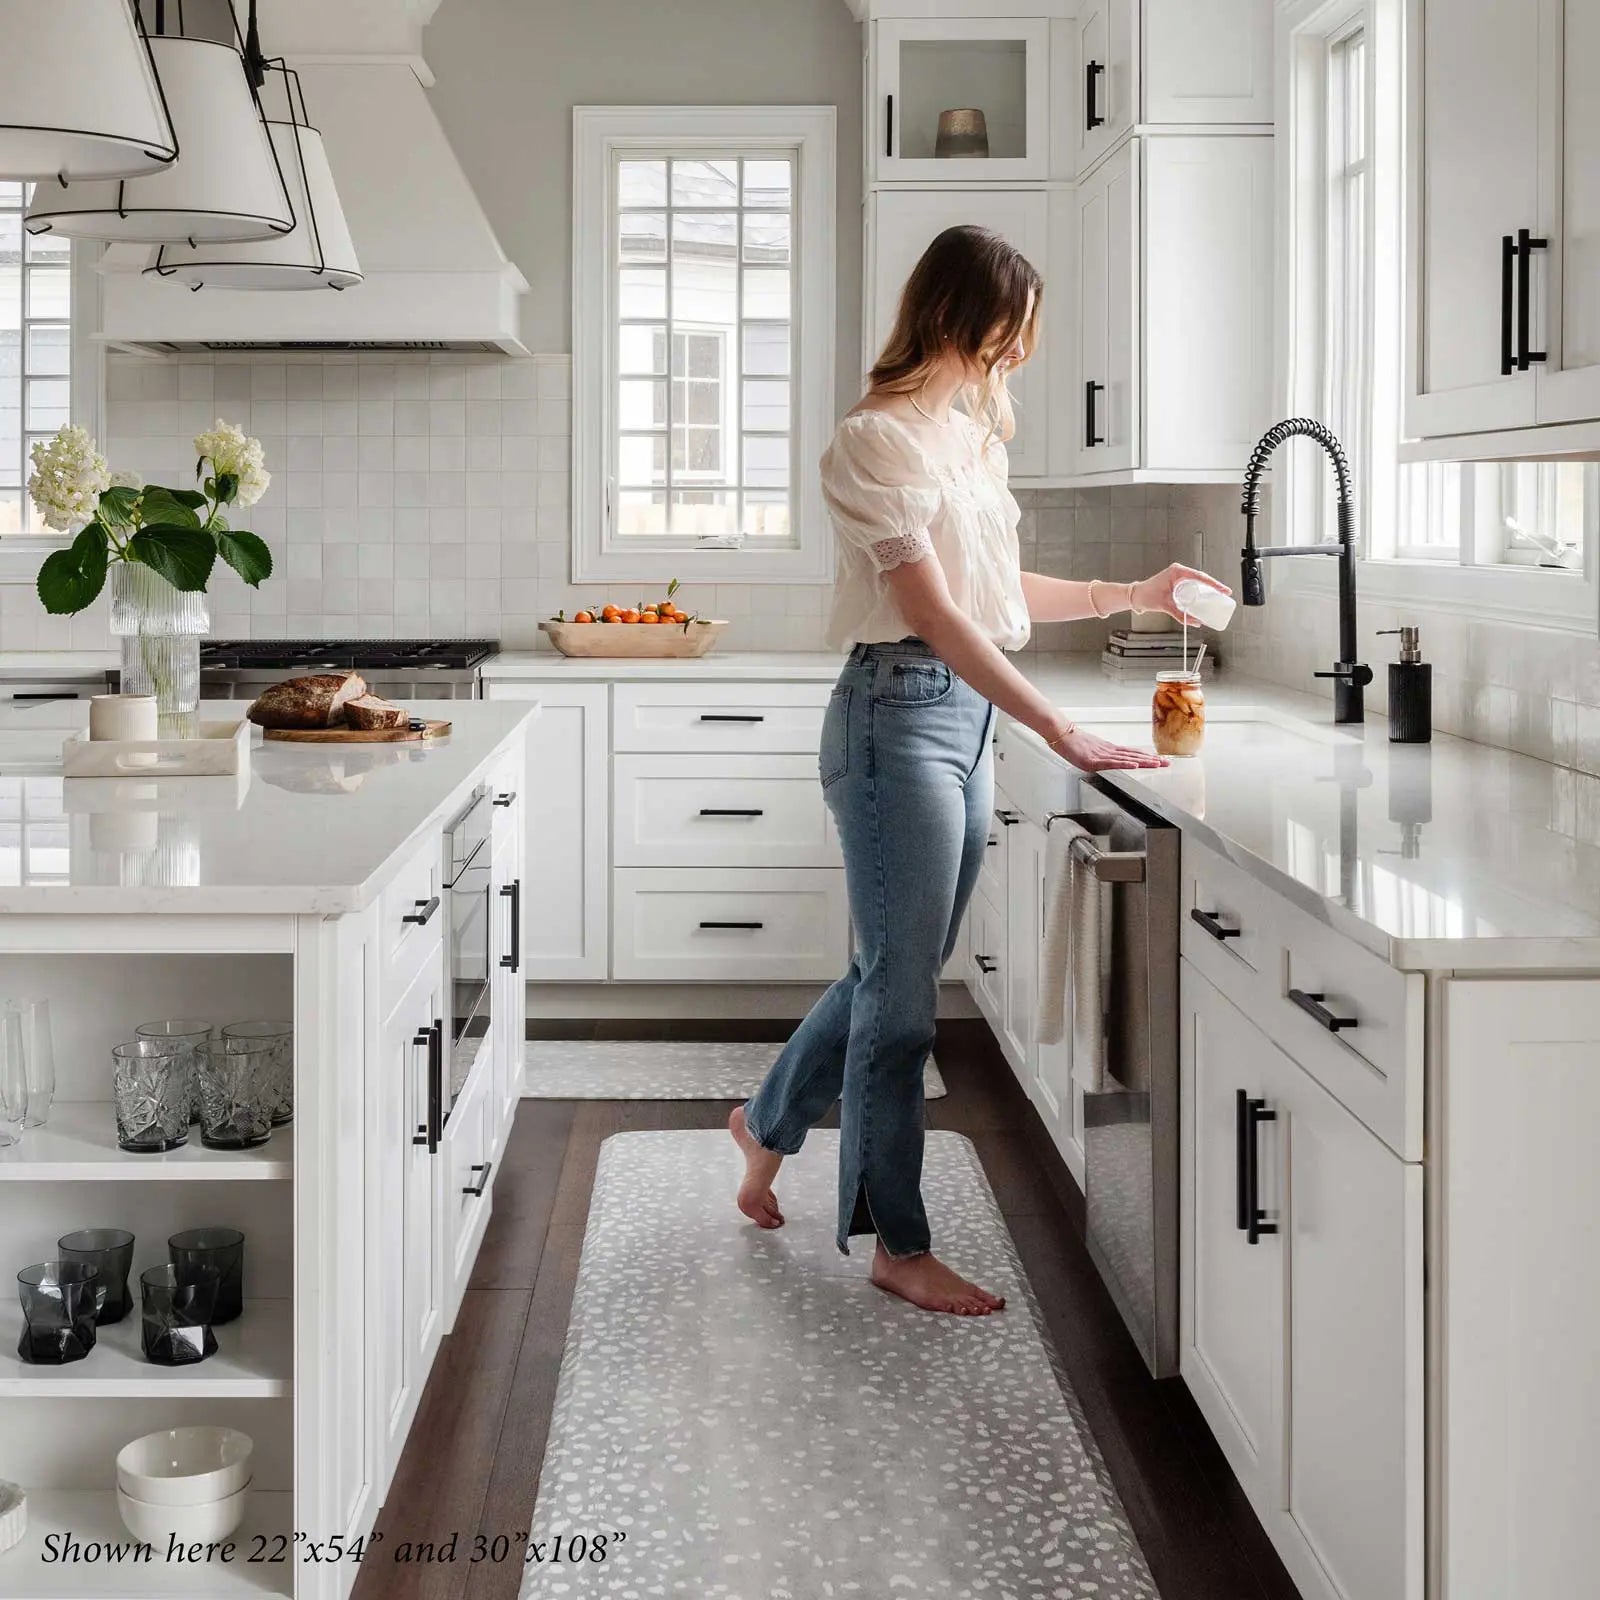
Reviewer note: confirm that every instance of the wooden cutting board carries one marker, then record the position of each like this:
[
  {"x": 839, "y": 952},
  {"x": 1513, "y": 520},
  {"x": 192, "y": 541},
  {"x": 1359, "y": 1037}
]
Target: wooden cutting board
[{"x": 431, "y": 730}]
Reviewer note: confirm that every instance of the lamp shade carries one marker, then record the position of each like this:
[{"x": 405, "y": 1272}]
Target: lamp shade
[
  {"x": 318, "y": 254},
  {"x": 227, "y": 184},
  {"x": 79, "y": 97}
]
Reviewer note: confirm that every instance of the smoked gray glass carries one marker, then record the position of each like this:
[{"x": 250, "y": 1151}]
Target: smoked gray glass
[
  {"x": 60, "y": 1300},
  {"x": 278, "y": 1039},
  {"x": 178, "y": 1313},
  {"x": 195, "y": 1037},
  {"x": 219, "y": 1250},
  {"x": 110, "y": 1250},
  {"x": 238, "y": 1089},
  {"x": 151, "y": 1082}
]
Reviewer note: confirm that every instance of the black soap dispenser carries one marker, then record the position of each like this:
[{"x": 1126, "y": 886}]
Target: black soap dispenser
[{"x": 1410, "y": 691}]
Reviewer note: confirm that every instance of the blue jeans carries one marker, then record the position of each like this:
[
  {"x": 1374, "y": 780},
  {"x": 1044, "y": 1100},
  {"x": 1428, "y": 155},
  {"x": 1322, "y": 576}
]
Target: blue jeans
[{"x": 907, "y": 773}]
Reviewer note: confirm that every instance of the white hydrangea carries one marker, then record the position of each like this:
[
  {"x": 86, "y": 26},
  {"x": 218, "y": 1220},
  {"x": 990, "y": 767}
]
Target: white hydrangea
[
  {"x": 127, "y": 480},
  {"x": 230, "y": 449},
  {"x": 69, "y": 476}
]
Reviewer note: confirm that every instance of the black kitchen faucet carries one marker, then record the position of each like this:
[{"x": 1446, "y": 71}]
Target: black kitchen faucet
[{"x": 1350, "y": 676}]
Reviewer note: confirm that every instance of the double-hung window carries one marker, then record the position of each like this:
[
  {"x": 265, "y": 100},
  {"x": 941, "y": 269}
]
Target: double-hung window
[
  {"x": 703, "y": 338},
  {"x": 1513, "y": 539},
  {"x": 35, "y": 353}
]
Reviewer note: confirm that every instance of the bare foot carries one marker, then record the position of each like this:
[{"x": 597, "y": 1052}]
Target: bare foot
[
  {"x": 927, "y": 1282},
  {"x": 756, "y": 1198}
]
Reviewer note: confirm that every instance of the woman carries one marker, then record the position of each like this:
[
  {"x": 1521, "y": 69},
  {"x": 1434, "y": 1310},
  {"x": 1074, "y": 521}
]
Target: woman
[{"x": 929, "y": 595}]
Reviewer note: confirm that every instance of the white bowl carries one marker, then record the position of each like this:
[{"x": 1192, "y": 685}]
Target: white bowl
[
  {"x": 185, "y": 1466},
  {"x": 13, "y": 1515},
  {"x": 200, "y": 1524}
]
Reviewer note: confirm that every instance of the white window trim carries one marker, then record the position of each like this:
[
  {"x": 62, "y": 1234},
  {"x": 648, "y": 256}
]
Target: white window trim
[
  {"x": 1505, "y": 593},
  {"x": 20, "y": 557},
  {"x": 598, "y": 132}
]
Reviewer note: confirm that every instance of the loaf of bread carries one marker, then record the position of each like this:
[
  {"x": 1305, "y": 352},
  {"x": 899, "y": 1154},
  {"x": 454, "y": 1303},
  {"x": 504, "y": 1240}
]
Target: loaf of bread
[
  {"x": 368, "y": 711},
  {"x": 316, "y": 701}
]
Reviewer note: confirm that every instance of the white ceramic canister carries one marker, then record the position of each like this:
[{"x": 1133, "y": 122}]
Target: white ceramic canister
[{"x": 124, "y": 718}]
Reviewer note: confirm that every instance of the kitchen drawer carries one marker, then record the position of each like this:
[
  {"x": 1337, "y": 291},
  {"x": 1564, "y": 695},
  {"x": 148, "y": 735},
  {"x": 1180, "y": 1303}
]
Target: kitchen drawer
[
  {"x": 992, "y": 871},
  {"x": 468, "y": 1174},
  {"x": 719, "y": 717},
  {"x": 1373, "y": 1065},
  {"x": 1035, "y": 782},
  {"x": 1229, "y": 928},
  {"x": 719, "y": 811},
  {"x": 405, "y": 945},
  {"x": 729, "y": 923}
]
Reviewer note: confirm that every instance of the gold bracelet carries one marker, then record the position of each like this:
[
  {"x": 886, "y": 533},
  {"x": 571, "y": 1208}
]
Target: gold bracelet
[{"x": 1066, "y": 733}]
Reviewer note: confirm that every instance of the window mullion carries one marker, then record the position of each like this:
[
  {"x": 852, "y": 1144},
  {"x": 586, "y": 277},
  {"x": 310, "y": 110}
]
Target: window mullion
[
  {"x": 735, "y": 435},
  {"x": 672, "y": 357}
]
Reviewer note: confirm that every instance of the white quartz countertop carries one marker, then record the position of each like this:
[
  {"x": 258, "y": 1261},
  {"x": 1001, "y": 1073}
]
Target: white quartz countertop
[
  {"x": 724, "y": 666},
  {"x": 1448, "y": 855},
  {"x": 312, "y": 829}
]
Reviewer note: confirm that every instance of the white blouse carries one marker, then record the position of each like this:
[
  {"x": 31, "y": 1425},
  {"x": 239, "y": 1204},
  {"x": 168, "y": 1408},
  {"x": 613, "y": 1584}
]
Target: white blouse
[{"x": 891, "y": 502}]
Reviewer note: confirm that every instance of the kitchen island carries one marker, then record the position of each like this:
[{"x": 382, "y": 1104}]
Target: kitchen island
[{"x": 316, "y": 887}]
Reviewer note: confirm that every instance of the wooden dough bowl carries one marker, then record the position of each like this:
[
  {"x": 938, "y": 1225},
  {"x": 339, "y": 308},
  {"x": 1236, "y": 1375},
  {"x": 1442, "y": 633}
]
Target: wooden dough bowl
[{"x": 634, "y": 640}]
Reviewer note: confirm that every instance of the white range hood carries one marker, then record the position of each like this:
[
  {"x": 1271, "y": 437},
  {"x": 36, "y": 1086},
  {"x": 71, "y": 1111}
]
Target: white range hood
[{"x": 436, "y": 277}]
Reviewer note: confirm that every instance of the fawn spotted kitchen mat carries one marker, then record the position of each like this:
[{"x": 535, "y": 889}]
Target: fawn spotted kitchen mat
[
  {"x": 656, "y": 1069},
  {"x": 757, "y": 1422}
]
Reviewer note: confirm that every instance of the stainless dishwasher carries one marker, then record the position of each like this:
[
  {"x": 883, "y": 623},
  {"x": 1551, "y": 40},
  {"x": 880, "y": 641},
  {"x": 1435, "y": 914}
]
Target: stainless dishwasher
[{"x": 1130, "y": 1122}]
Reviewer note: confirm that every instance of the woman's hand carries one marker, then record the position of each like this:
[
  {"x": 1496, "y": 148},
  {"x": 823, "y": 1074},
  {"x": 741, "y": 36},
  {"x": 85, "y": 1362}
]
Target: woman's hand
[
  {"x": 1090, "y": 753},
  {"x": 1155, "y": 593}
]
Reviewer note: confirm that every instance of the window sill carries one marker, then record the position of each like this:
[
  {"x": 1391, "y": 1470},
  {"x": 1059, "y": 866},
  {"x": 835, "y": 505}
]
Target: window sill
[
  {"x": 692, "y": 565},
  {"x": 1524, "y": 596}
]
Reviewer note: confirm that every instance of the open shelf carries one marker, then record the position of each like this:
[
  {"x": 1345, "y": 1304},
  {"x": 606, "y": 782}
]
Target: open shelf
[
  {"x": 25, "y": 1574},
  {"x": 79, "y": 1144},
  {"x": 254, "y": 1360}
]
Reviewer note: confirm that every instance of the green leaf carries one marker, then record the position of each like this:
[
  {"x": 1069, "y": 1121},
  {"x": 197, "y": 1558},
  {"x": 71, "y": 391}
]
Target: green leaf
[
  {"x": 247, "y": 554},
  {"x": 171, "y": 507},
  {"x": 117, "y": 506},
  {"x": 227, "y": 488},
  {"x": 183, "y": 556},
  {"x": 70, "y": 579},
  {"x": 199, "y": 466}
]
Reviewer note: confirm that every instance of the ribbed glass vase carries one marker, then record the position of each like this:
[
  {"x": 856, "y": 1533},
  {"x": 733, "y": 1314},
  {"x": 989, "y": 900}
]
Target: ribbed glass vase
[{"x": 161, "y": 629}]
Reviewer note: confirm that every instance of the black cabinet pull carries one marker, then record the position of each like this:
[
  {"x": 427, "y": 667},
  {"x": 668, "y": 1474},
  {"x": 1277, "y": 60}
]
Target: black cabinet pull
[
  {"x": 1526, "y": 245},
  {"x": 1311, "y": 1002},
  {"x": 746, "y": 927},
  {"x": 724, "y": 716},
  {"x": 984, "y": 963},
  {"x": 1092, "y": 72},
  {"x": 506, "y": 799},
  {"x": 1208, "y": 921},
  {"x": 992, "y": 844},
  {"x": 1256, "y": 1112},
  {"x": 1090, "y": 437},
  {"x": 48, "y": 694},
  {"x": 476, "y": 1189},
  {"x": 435, "y": 1085},
  {"x": 1241, "y": 1162},
  {"x": 425, "y": 910},
  {"x": 732, "y": 811},
  {"x": 423, "y": 1036},
  {"x": 1508, "y": 267},
  {"x": 513, "y": 892},
  {"x": 888, "y": 127},
  {"x": 1009, "y": 818}
]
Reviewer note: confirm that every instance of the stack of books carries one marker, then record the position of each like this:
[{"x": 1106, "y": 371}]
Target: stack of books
[{"x": 1131, "y": 656}]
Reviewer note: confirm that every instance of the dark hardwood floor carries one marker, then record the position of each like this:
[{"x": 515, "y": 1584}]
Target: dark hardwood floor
[{"x": 473, "y": 1459}]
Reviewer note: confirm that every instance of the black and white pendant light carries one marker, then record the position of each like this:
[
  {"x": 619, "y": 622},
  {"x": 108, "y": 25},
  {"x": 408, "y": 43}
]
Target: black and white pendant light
[
  {"x": 79, "y": 95},
  {"x": 227, "y": 185},
  {"x": 318, "y": 254}
]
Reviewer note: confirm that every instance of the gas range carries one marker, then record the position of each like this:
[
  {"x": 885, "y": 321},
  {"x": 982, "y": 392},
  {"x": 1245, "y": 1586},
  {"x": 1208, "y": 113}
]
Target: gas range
[{"x": 397, "y": 669}]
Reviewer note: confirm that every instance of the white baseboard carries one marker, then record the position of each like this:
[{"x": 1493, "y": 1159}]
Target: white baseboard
[{"x": 768, "y": 1001}]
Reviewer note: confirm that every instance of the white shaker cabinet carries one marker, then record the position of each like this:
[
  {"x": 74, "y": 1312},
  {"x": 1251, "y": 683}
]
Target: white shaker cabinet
[
  {"x": 1108, "y": 61},
  {"x": 901, "y": 223},
  {"x": 568, "y": 809},
  {"x": 1301, "y": 1306},
  {"x": 1174, "y": 298},
  {"x": 1517, "y": 1281}
]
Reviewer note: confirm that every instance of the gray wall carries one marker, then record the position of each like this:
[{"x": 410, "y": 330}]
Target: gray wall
[{"x": 510, "y": 71}]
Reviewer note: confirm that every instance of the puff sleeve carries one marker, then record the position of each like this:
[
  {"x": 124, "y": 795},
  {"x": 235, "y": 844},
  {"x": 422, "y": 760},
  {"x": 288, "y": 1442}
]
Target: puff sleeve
[{"x": 880, "y": 489}]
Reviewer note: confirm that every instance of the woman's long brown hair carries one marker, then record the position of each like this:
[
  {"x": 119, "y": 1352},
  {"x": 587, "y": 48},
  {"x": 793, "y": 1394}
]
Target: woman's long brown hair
[{"x": 970, "y": 295}]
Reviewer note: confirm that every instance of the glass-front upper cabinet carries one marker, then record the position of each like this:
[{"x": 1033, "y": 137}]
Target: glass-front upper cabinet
[{"x": 960, "y": 99}]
